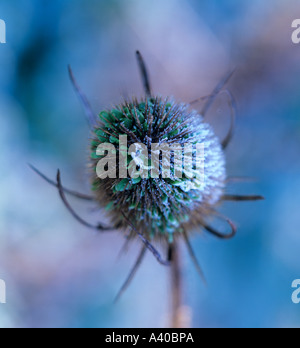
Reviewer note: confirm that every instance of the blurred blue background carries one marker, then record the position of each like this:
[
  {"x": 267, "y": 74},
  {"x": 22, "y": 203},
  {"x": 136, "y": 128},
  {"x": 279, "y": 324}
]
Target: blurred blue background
[{"x": 59, "y": 274}]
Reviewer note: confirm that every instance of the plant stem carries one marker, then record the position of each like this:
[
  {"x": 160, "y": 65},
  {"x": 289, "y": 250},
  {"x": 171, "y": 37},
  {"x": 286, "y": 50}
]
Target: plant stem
[{"x": 176, "y": 288}]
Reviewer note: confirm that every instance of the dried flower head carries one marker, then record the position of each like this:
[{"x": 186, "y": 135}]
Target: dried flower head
[
  {"x": 167, "y": 194},
  {"x": 164, "y": 205}
]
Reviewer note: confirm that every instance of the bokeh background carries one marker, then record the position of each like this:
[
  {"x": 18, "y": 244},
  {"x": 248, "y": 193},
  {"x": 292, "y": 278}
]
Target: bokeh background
[{"x": 59, "y": 274}]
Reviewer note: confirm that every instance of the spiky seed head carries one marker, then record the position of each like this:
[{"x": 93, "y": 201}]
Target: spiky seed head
[{"x": 159, "y": 207}]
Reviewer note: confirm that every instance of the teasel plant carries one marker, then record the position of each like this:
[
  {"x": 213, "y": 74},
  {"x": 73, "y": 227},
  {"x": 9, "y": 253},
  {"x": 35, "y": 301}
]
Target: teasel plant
[{"x": 158, "y": 211}]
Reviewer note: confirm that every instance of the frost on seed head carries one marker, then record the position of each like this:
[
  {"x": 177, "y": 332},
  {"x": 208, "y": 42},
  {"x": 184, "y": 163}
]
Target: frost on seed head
[{"x": 165, "y": 195}]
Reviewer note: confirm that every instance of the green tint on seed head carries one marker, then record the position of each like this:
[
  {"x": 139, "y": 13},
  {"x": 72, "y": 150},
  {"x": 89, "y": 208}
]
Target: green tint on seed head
[{"x": 159, "y": 207}]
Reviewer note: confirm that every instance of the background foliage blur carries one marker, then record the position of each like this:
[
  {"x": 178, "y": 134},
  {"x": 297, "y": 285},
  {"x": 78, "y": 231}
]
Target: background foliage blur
[{"x": 59, "y": 274}]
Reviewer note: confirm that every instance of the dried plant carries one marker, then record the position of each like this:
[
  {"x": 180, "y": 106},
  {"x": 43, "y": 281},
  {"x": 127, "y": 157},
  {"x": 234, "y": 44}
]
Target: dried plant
[{"x": 158, "y": 210}]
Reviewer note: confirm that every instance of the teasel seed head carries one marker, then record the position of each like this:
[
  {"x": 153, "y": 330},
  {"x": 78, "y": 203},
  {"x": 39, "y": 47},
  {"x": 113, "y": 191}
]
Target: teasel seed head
[{"x": 161, "y": 207}]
